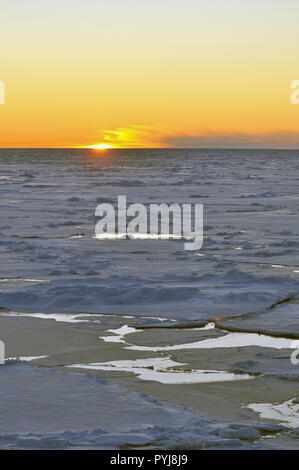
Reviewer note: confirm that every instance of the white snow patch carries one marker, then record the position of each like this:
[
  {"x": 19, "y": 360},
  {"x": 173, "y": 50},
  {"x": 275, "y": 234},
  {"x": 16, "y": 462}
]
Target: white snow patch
[
  {"x": 59, "y": 317},
  {"x": 119, "y": 334},
  {"x": 287, "y": 412},
  {"x": 230, "y": 340},
  {"x": 25, "y": 358},
  {"x": 160, "y": 370}
]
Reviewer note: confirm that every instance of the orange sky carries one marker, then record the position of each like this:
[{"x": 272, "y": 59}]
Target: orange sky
[{"x": 159, "y": 73}]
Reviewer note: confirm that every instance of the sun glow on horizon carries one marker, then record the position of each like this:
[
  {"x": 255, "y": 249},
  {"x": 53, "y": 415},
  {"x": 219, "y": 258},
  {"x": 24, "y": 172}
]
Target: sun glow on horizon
[
  {"x": 99, "y": 146},
  {"x": 132, "y": 136}
]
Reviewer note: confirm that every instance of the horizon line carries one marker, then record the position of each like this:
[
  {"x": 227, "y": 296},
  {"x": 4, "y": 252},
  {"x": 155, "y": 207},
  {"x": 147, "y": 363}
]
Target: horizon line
[{"x": 149, "y": 148}]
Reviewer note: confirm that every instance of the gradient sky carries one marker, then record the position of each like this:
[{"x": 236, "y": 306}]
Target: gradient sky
[{"x": 149, "y": 73}]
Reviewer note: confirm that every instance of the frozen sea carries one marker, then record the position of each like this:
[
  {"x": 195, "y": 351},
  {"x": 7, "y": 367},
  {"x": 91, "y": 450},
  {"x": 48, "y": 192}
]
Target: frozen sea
[{"x": 140, "y": 343}]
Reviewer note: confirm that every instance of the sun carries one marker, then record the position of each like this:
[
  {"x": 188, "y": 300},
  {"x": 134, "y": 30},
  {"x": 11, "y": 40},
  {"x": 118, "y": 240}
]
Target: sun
[{"x": 99, "y": 146}]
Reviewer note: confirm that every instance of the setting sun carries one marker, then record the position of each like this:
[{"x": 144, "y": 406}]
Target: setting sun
[{"x": 99, "y": 146}]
